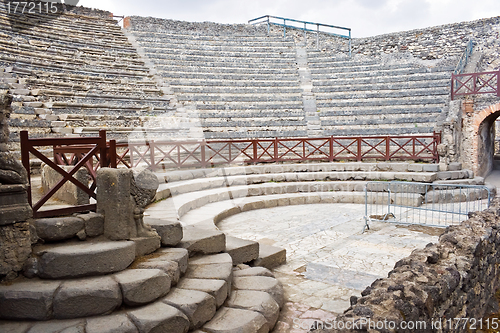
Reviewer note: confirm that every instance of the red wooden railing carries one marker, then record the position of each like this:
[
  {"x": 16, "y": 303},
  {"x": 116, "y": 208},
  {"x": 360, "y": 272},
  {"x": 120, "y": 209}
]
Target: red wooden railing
[
  {"x": 182, "y": 154},
  {"x": 93, "y": 153},
  {"x": 475, "y": 83},
  {"x": 84, "y": 151}
]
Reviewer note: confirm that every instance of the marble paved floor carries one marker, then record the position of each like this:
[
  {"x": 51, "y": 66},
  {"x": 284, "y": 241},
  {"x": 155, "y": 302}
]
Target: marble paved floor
[{"x": 329, "y": 259}]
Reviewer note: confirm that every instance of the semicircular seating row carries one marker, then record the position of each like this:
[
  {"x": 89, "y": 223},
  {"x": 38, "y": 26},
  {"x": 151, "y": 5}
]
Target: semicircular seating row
[{"x": 203, "y": 197}]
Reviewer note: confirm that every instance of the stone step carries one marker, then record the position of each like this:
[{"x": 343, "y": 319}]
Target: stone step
[
  {"x": 215, "y": 267},
  {"x": 235, "y": 98},
  {"x": 197, "y": 240},
  {"x": 270, "y": 256},
  {"x": 230, "y": 320},
  {"x": 197, "y": 305},
  {"x": 257, "y": 301},
  {"x": 156, "y": 317},
  {"x": 202, "y": 36},
  {"x": 170, "y": 231},
  {"x": 241, "y": 250},
  {"x": 265, "y": 284},
  {"x": 217, "y": 288},
  {"x": 63, "y": 228},
  {"x": 256, "y": 69},
  {"x": 260, "y": 170},
  {"x": 392, "y": 93},
  {"x": 84, "y": 259},
  {"x": 69, "y": 299}
]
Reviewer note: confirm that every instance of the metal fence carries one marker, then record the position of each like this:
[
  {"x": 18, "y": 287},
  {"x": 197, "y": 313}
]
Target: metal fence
[
  {"x": 436, "y": 205},
  {"x": 464, "y": 59},
  {"x": 304, "y": 26}
]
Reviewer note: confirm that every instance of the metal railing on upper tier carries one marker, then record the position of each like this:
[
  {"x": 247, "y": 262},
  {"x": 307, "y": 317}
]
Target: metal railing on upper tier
[
  {"x": 289, "y": 23},
  {"x": 464, "y": 58}
]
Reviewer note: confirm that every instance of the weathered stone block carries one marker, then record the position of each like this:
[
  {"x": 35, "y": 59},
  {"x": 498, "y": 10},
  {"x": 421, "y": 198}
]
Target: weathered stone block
[
  {"x": 180, "y": 256},
  {"x": 261, "y": 283},
  {"x": 69, "y": 192},
  {"x": 217, "y": 288},
  {"x": 15, "y": 249},
  {"x": 86, "y": 297},
  {"x": 142, "y": 286},
  {"x": 146, "y": 245},
  {"x": 27, "y": 300},
  {"x": 229, "y": 320},
  {"x": 118, "y": 323},
  {"x": 241, "y": 250},
  {"x": 199, "y": 307},
  {"x": 70, "y": 261},
  {"x": 58, "y": 228},
  {"x": 257, "y": 301},
  {"x": 160, "y": 317},
  {"x": 169, "y": 231},
  {"x": 94, "y": 224}
]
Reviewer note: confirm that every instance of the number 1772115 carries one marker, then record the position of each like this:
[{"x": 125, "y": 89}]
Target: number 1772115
[{"x": 23, "y": 7}]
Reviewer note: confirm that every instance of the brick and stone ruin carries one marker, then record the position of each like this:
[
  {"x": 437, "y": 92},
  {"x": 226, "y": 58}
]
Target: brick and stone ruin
[{"x": 152, "y": 256}]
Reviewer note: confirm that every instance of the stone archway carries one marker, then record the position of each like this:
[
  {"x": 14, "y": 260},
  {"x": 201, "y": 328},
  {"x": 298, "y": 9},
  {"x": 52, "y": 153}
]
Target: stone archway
[{"x": 478, "y": 146}]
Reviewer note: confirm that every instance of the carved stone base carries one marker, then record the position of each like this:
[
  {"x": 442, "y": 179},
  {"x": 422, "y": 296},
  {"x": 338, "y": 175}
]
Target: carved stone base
[{"x": 14, "y": 205}]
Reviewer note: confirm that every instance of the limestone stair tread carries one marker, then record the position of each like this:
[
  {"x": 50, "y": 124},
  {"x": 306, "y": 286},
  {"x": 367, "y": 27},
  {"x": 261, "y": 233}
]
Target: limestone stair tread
[
  {"x": 241, "y": 250},
  {"x": 197, "y": 240}
]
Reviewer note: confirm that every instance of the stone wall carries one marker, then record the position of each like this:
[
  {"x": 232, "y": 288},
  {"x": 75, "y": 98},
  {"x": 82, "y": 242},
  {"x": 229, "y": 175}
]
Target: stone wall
[
  {"x": 456, "y": 278},
  {"x": 205, "y": 28},
  {"x": 430, "y": 43},
  {"x": 15, "y": 239}
]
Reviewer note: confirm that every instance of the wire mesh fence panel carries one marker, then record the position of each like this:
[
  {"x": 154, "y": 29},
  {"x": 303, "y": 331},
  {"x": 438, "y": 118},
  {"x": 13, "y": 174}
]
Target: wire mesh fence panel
[{"x": 438, "y": 205}]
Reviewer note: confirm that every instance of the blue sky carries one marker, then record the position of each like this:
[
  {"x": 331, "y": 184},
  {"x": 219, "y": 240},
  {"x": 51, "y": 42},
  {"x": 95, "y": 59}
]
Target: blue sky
[{"x": 365, "y": 17}]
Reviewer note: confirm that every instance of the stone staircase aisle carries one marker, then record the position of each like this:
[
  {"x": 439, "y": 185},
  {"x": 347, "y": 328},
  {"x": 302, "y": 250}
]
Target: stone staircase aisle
[{"x": 77, "y": 280}]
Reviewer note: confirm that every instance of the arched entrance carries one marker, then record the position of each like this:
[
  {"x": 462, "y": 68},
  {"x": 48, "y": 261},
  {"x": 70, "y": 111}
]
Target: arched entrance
[{"x": 479, "y": 140}]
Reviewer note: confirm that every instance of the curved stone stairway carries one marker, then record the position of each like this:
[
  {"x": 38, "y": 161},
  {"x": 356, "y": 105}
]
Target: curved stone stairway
[{"x": 81, "y": 282}]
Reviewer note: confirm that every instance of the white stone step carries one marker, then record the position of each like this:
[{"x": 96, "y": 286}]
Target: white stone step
[{"x": 203, "y": 240}]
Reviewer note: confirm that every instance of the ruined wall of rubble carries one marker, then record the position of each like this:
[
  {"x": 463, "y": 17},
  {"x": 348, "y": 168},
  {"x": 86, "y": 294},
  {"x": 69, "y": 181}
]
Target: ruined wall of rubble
[
  {"x": 456, "y": 278},
  {"x": 430, "y": 43}
]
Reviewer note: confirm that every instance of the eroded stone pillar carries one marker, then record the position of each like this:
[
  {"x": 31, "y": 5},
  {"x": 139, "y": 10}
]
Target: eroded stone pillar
[{"x": 122, "y": 195}]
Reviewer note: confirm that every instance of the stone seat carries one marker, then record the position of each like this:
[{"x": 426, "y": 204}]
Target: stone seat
[
  {"x": 26, "y": 51},
  {"x": 380, "y": 101},
  {"x": 426, "y": 83},
  {"x": 391, "y": 93},
  {"x": 164, "y": 62},
  {"x": 335, "y": 81}
]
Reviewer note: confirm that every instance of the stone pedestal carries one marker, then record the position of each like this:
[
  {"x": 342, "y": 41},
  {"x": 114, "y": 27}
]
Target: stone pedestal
[
  {"x": 122, "y": 195},
  {"x": 15, "y": 236}
]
